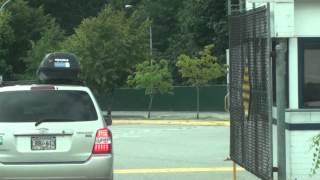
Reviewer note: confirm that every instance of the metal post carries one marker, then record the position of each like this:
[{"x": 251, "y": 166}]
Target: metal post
[
  {"x": 234, "y": 171},
  {"x": 150, "y": 41},
  {"x": 242, "y": 5},
  {"x": 270, "y": 86},
  {"x": 127, "y": 6},
  {"x": 281, "y": 50},
  {"x": 229, "y": 7}
]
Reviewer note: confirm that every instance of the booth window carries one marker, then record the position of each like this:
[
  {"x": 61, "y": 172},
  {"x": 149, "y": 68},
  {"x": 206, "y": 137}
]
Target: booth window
[{"x": 309, "y": 58}]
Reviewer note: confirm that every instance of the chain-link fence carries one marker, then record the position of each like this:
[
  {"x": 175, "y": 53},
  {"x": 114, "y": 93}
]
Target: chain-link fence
[{"x": 250, "y": 92}]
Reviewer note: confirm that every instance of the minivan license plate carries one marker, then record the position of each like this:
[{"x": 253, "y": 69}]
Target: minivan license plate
[{"x": 39, "y": 143}]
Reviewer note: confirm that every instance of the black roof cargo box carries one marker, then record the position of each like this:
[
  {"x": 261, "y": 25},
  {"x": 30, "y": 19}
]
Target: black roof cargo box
[{"x": 59, "y": 68}]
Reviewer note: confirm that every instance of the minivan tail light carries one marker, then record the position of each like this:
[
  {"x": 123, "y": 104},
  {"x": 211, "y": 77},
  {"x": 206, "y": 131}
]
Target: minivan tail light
[{"x": 103, "y": 142}]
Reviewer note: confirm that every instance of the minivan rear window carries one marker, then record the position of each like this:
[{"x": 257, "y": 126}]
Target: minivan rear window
[{"x": 31, "y": 106}]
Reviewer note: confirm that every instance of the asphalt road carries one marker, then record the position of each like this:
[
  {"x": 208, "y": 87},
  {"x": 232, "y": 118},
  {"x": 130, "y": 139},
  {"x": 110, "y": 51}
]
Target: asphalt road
[{"x": 162, "y": 152}]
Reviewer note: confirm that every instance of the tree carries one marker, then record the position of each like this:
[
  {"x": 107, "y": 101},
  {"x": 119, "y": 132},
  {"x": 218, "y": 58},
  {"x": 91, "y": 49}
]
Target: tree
[
  {"x": 199, "y": 71},
  {"x": 201, "y": 22},
  {"x": 163, "y": 14},
  {"x": 316, "y": 154},
  {"x": 184, "y": 27},
  {"x": 27, "y": 24},
  {"x": 155, "y": 78},
  {"x": 70, "y": 13},
  {"x": 50, "y": 42},
  {"x": 6, "y": 39},
  {"x": 109, "y": 46}
]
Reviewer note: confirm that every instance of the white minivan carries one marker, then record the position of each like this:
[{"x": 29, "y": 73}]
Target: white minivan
[{"x": 53, "y": 131}]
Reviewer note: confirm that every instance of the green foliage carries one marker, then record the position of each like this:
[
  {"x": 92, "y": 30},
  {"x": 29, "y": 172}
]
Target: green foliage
[
  {"x": 184, "y": 27},
  {"x": 316, "y": 154},
  {"x": 199, "y": 71},
  {"x": 163, "y": 14},
  {"x": 155, "y": 78},
  {"x": 50, "y": 41},
  {"x": 201, "y": 22},
  {"x": 179, "y": 27},
  {"x": 27, "y": 24},
  {"x": 109, "y": 46},
  {"x": 70, "y": 13},
  {"x": 6, "y": 39}
]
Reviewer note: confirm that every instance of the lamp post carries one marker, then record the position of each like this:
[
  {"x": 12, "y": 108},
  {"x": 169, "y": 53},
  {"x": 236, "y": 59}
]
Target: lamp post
[
  {"x": 128, "y": 6},
  {"x": 3, "y": 5}
]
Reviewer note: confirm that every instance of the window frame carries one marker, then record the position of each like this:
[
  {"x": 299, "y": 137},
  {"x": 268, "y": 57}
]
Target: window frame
[{"x": 302, "y": 42}]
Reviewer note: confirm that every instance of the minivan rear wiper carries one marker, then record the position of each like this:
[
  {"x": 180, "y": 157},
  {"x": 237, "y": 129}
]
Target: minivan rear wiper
[{"x": 53, "y": 120}]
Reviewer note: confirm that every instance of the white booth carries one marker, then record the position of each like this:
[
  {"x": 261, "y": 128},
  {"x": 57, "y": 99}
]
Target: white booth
[{"x": 298, "y": 22}]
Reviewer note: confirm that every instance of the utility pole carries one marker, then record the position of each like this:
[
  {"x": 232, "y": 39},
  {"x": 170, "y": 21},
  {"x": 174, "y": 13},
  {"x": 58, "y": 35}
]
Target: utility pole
[
  {"x": 150, "y": 43},
  {"x": 3, "y": 5},
  {"x": 281, "y": 50},
  {"x": 128, "y": 6}
]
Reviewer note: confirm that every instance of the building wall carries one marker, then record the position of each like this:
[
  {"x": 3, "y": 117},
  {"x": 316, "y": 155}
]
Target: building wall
[
  {"x": 281, "y": 16},
  {"x": 307, "y": 14},
  {"x": 299, "y": 141},
  {"x": 300, "y": 154},
  {"x": 292, "y": 18}
]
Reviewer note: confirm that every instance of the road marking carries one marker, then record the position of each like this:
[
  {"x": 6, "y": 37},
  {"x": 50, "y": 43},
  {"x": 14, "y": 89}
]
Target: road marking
[
  {"x": 173, "y": 122},
  {"x": 175, "y": 170}
]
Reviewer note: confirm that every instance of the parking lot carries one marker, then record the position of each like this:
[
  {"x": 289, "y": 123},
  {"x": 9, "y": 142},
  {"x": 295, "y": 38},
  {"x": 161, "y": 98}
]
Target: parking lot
[{"x": 170, "y": 152}]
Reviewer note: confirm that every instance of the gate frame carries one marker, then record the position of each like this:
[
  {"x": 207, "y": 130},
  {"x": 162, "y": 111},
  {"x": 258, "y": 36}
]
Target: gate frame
[{"x": 269, "y": 84}]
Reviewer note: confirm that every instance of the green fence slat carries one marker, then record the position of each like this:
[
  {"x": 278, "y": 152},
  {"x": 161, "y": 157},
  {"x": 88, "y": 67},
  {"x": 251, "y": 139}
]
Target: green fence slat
[{"x": 182, "y": 99}]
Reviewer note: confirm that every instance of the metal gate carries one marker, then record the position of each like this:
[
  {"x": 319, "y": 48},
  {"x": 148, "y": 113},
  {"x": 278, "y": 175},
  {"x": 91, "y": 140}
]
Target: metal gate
[{"x": 251, "y": 92}]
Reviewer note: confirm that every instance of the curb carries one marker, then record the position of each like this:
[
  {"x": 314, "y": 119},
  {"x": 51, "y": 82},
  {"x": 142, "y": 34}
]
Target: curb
[
  {"x": 171, "y": 122},
  {"x": 176, "y": 170}
]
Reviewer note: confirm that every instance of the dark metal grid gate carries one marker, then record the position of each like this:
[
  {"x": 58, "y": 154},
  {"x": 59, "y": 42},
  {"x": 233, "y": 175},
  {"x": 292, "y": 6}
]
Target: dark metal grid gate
[{"x": 250, "y": 92}]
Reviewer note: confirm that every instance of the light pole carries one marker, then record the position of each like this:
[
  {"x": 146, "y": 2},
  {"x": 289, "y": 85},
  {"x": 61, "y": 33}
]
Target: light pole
[
  {"x": 3, "y": 5},
  {"x": 128, "y": 6}
]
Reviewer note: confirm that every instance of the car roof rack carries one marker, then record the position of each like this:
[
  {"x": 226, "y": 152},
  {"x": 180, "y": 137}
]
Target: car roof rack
[{"x": 58, "y": 68}]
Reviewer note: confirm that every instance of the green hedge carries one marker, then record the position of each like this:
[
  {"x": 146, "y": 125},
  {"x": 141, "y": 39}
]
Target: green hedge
[{"x": 182, "y": 99}]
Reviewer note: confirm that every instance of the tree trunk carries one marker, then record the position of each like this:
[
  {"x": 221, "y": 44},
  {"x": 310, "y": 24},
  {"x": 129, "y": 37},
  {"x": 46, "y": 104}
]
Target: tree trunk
[
  {"x": 150, "y": 105},
  {"x": 109, "y": 108},
  {"x": 198, "y": 102}
]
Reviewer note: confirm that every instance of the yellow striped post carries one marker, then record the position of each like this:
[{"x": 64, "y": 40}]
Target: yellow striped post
[
  {"x": 234, "y": 171},
  {"x": 246, "y": 91}
]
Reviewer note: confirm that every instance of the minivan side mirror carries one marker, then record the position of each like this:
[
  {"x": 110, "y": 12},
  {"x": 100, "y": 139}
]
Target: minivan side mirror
[{"x": 108, "y": 119}]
